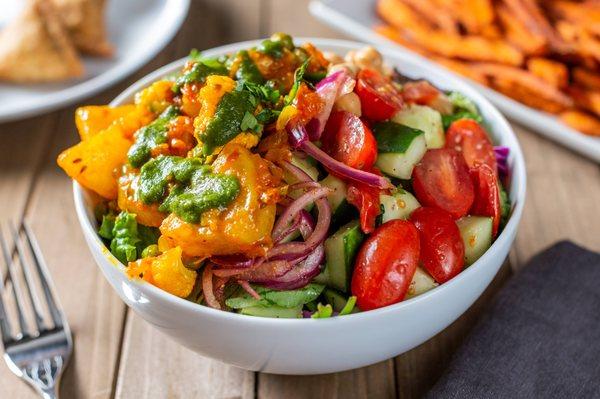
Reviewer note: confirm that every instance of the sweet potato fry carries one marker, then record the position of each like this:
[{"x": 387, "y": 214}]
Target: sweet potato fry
[
  {"x": 525, "y": 87},
  {"x": 470, "y": 47},
  {"x": 531, "y": 43},
  {"x": 586, "y": 78},
  {"x": 585, "y": 13},
  {"x": 550, "y": 71},
  {"x": 582, "y": 122},
  {"x": 530, "y": 14},
  {"x": 441, "y": 20},
  {"x": 461, "y": 68},
  {"x": 586, "y": 99},
  {"x": 392, "y": 34},
  {"x": 476, "y": 16}
]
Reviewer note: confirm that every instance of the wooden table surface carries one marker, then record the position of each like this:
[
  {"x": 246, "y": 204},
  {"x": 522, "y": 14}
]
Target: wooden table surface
[{"x": 119, "y": 355}]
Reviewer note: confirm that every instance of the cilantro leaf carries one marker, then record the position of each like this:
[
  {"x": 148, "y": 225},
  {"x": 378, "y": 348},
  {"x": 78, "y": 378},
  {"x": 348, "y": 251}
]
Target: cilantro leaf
[{"x": 298, "y": 76}]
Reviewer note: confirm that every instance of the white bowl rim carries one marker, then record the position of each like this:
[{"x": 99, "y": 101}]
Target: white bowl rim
[{"x": 518, "y": 174}]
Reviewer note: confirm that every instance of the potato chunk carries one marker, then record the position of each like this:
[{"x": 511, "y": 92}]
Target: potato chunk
[
  {"x": 245, "y": 225},
  {"x": 93, "y": 161},
  {"x": 92, "y": 119},
  {"x": 165, "y": 271}
]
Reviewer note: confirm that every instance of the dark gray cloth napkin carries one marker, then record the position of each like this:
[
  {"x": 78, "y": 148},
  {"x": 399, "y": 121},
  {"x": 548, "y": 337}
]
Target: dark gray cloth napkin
[{"x": 541, "y": 336}]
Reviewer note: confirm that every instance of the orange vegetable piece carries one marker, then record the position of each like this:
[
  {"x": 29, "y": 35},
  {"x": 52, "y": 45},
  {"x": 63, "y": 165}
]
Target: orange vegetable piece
[
  {"x": 245, "y": 225},
  {"x": 165, "y": 271},
  {"x": 582, "y": 121},
  {"x": 92, "y": 119},
  {"x": 549, "y": 71},
  {"x": 93, "y": 162}
]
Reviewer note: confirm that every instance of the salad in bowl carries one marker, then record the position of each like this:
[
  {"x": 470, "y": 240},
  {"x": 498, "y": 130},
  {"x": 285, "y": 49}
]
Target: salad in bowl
[{"x": 286, "y": 182}]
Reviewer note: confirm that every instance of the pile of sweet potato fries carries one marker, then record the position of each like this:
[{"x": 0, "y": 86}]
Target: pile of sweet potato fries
[{"x": 543, "y": 53}]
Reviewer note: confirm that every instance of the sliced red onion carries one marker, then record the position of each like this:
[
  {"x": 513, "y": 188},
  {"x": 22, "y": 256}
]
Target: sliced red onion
[
  {"x": 294, "y": 209},
  {"x": 207, "y": 288},
  {"x": 501, "y": 150},
  {"x": 248, "y": 288},
  {"x": 232, "y": 261},
  {"x": 302, "y": 274},
  {"x": 305, "y": 185},
  {"x": 288, "y": 232},
  {"x": 501, "y": 153},
  {"x": 267, "y": 271},
  {"x": 329, "y": 89},
  {"x": 340, "y": 169}
]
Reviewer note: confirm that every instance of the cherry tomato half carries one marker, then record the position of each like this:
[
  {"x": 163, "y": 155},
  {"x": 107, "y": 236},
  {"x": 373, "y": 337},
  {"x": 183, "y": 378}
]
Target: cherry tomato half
[
  {"x": 487, "y": 194},
  {"x": 385, "y": 265},
  {"x": 441, "y": 179},
  {"x": 379, "y": 99},
  {"x": 420, "y": 92},
  {"x": 349, "y": 140},
  {"x": 467, "y": 136},
  {"x": 442, "y": 248},
  {"x": 366, "y": 200}
]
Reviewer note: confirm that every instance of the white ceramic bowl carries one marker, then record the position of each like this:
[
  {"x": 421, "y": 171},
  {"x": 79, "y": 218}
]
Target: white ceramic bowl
[{"x": 307, "y": 346}]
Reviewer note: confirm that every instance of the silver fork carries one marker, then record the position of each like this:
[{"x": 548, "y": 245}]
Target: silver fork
[{"x": 39, "y": 353}]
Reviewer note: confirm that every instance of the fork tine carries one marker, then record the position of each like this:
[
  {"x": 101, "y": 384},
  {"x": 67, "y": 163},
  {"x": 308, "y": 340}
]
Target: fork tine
[
  {"x": 15, "y": 286},
  {"x": 40, "y": 264},
  {"x": 25, "y": 270},
  {"x": 5, "y": 328}
]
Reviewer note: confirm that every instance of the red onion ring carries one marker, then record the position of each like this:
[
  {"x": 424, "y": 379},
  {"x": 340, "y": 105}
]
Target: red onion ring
[
  {"x": 299, "y": 138},
  {"x": 232, "y": 261},
  {"x": 248, "y": 288},
  {"x": 207, "y": 287},
  {"x": 329, "y": 89}
]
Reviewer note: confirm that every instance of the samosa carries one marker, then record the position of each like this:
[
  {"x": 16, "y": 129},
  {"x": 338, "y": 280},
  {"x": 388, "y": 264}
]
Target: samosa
[{"x": 35, "y": 47}]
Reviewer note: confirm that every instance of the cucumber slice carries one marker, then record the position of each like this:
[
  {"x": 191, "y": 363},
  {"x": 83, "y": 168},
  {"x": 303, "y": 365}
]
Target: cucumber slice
[
  {"x": 307, "y": 164},
  {"x": 423, "y": 118},
  {"x": 340, "y": 251},
  {"x": 277, "y": 312},
  {"x": 421, "y": 282},
  {"x": 342, "y": 211},
  {"x": 400, "y": 148},
  {"x": 338, "y": 194},
  {"x": 476, "y": 233},
  {"x": 398, "y": 206}
]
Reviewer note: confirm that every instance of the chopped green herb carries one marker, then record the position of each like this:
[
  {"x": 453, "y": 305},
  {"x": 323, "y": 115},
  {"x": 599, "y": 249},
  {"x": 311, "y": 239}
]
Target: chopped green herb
[
  {"x": 150, "y": 136},
  {"x": 247, "y": 70},
  {"x": 323, "y": 312},
  {"x": 226, "y": 123},
  {"x": 127, "y": 238},
  {"x": 298, "y": 76},
  {"x": 349, "y": 307},
  {"x": 202, "y": 68}
]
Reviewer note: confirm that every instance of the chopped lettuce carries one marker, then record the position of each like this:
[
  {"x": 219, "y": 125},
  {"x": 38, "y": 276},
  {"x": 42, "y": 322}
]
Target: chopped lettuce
[
  {"x": 269, "y": 298},
  {"x": 464, "y": 108},
  {"x": 127, "y": 238}
]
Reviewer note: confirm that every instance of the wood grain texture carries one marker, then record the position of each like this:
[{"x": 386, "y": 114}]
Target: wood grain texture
[
  {"x": 154, "y": 366},
  {"x": 563, "y": 197},
  {"x": 119, "y": 355}
]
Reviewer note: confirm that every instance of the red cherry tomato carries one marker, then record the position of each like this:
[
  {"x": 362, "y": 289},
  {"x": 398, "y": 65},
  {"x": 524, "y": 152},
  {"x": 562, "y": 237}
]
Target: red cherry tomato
[
  {"x": 468, "y": 137},
  {"x": 366, "y": 200},
  {"x": 442, "y": 248},
  {"x": 441, "y": 179},
  {"x": 379, "y": 99},
  {"x": 420, "y": 92},
  {"x": 385, "y": 265},
  {"x": 349, "y": 140},
  {"x": 487, "y": 194}
]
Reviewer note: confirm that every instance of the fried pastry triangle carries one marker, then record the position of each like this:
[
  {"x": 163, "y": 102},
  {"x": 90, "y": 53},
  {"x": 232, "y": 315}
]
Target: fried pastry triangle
[
  {"x": 85, "y": 21},
  {"x": 35, "y": 47}
]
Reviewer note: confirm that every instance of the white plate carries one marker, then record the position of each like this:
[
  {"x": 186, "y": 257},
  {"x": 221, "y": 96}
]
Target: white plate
[
  {"x": 138, "y": 29},
  {"x": 357, "y": 18}
]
